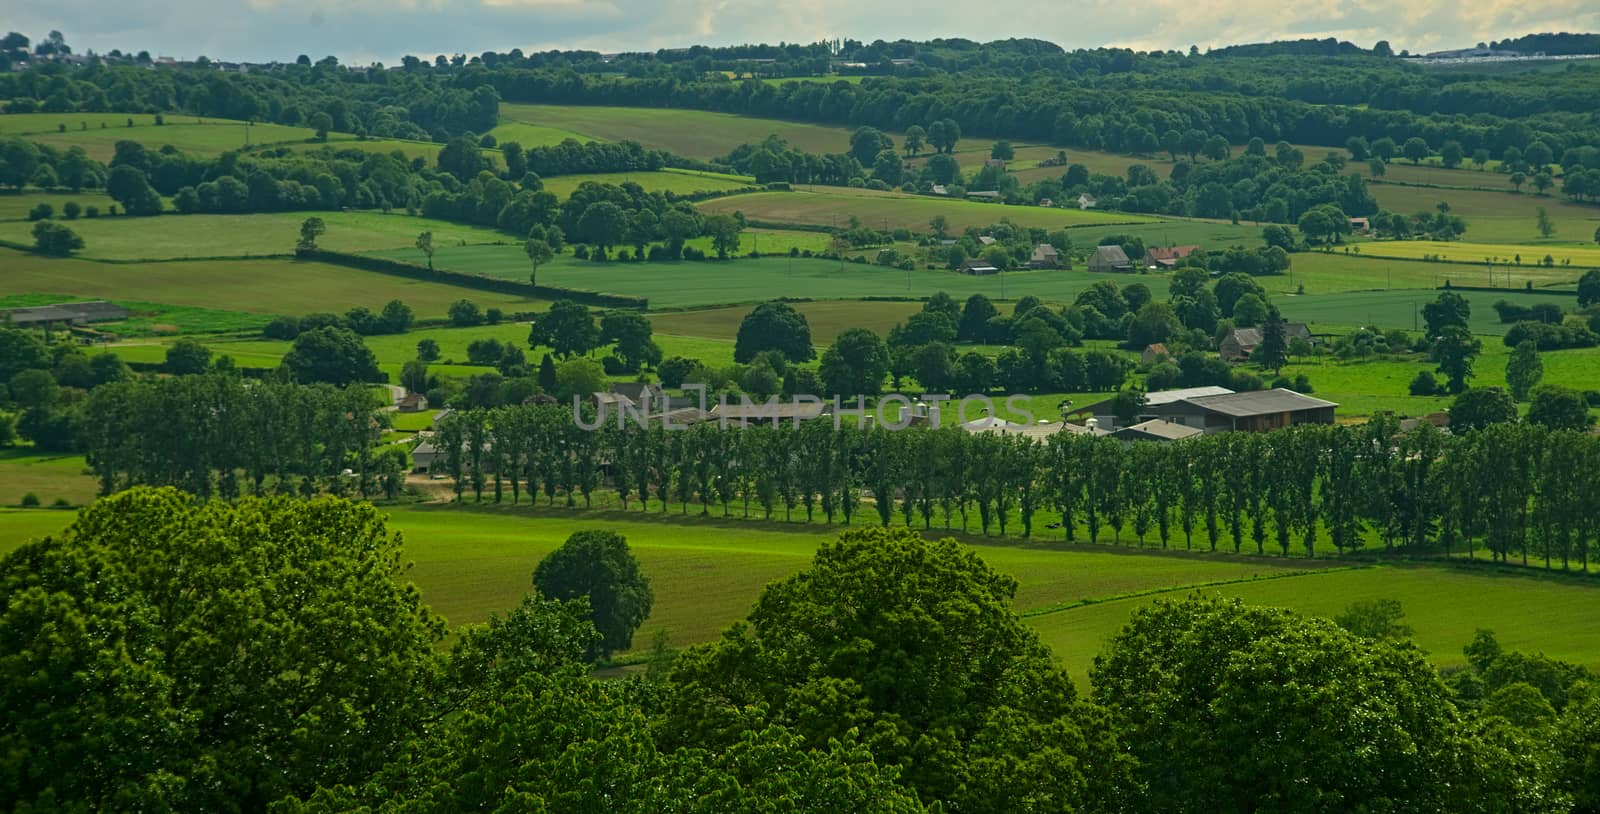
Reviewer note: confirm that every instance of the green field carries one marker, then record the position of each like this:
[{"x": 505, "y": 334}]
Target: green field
[
  {"x": 47, "y": 475},
  {"x": 689, "y": 284},
  {"x": 1363, "y": 267},
  {"x": 411, "y": 149},
  {"x": 255, "y": 286},
  {"x": 690, "y": 133},
  {"x": 681, "y": 182},
  {"x": 834, "y": 206},
  {"x": 184, "y": 236},
  {"x": 827, "y": 319},
  {"x": 1499, "y": 254},
  {"x": 706, "y": 573},
  {"x": 531, "y": 134},
  {"x": 16, "y": 207},
  {"x": 1402, "y": 308},
  {"x": 211, "y": 138}
]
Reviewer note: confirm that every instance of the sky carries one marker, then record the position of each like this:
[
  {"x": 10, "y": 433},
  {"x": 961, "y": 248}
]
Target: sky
[{"x": 364, "y": 31}]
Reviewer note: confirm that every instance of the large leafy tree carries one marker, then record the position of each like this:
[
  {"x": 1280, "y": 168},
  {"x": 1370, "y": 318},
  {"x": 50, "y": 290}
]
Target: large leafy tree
[
  {"x": 775, "y": 326},
  {"x": 1296, "y": 714},
  {"x": 913, "y": 645},
  {"x": 855, "y": 364},
  {"x": 159, "y": 655},
  {"x": 1455, "y": 349},
  {"x": 630, "y": 332},
  {"x": 598, "y": 565},
  {"x": 567, "y": 328},
  {"x": 332, "y": 355}
]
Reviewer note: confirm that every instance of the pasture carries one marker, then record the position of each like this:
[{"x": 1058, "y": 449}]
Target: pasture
[
  {"x": 1367, "y": 266},
  {"x": 691, "y": 133},
  {"x": 474, "y": 561},
  {"x": 1402, "y": 308},
  {"x": 267, "y": 234},
  {"x": 16, "y": 207},
  {"x": 254, "y": 286},
  {"x": 531, "y": 134},
  {"x": 741, "y": 280},
  {"x": 1568, "y": 259},
  {"x": 212, "y": 137},
  {"x": 884, "y": 210},
  {"x": 680, "y": 182}
]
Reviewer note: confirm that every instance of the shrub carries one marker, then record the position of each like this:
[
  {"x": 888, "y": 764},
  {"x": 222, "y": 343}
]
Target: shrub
[
  {"x": 41, "y": 212},
  {"x": 62, "y": 503},
  {"x": 1424, "y": 384},
  {"x": 71, "y": 210},
  {"x": 30, "y": 501}
]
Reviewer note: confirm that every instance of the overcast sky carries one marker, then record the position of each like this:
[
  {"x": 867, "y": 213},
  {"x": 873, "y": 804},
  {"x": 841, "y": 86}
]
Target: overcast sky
[{"x": 362, "y": 31}]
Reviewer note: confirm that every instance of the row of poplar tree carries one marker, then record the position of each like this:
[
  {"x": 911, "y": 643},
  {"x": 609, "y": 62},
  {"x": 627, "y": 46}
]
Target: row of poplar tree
[
  {"x": 1517, "y": 490},
  {"x": 219, "y": 435}
]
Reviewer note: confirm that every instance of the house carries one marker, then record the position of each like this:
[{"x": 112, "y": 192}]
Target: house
[
  {"x": 978, "y": 266},
  {"x": 1154, "y": 353},
  {"x": 1086, "y": 201},
  {"x": 985, "y": 240},
  {"x": 985, "y": 195},
  {"x": 1046, "y": 203},
  {"x": 1258, "y": 411},
  {"x": 1102, "y": 415},
  {"x": 1156, "y": 430},
  {"x": 424, "y": 456},
  {"x": 639, "y": 392},
  {"x": 1044, "y": 256},
  {"x": 1166, "y": 257},
  {"x": 1109, "y": 258},
  {"x": 412, "y": 403},
  {"x": 938, "y": 189},
  {"x": 1360, "y": 225},
  {"x": 1237, "y": 345}
]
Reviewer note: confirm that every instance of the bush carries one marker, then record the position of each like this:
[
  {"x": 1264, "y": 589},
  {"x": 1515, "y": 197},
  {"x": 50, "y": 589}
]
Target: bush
[
  {"x": 1424, "y": 384},
  {"x": 284, "y": 328},
  {"x": 30, "y": 501},
  {"x": 614, "y": 366},
  {"x": 91, "y": 211},
  {"x": 71, "y": 210},
  {"x": 61, "y": 503}
]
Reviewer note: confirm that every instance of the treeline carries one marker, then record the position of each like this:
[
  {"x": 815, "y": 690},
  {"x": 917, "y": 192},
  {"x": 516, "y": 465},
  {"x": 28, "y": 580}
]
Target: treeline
[
  {"x": 938, "y": 697},
  {"x": 1513, "y": 491},
  {"x": 380, "y": 104},
  {"x": 216, "y": 436}
]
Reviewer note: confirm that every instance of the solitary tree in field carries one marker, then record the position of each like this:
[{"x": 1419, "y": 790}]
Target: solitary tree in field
[
  {"x": 425, "y": 244},
  {"x": 310, "y": 230},
  {"x": 1415, "y": 150},
  {"x": 597, "y": 565},
  {"x": 1518, "y": 178},
  {"x": 1524, "y": 369},
  {"x": 1542, "y": 182},
  {"x": 1454, "y": 350},
  {"x": 539, "y": 253},
  {"x": 915, "y": 136},
  {"x": 1547, "y": 227}
]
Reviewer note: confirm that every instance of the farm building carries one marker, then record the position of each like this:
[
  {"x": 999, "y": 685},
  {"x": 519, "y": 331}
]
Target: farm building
[
  {"x": 1039, "y": 430},
  {"x": 1157, "y": 430},
  {"x": 1044, "y": 256},
  {"x": 424, "y": 456},
  {"x": 1086, "y": 201},
  {"x": 63, "y": 313},
  {"x": 1240, "y": 342},
  {"x": 985, "y": 240},
  {"x": 1110, "y": 258},
  {"x": 985, "y": 195},
  {"x": 977, "y": 266},
  {"x": 1259, "y": 411},
  {"x": 412, "y": 403},
  {"x": 1167, "y": 256},
  {"x": 1154, "y": 353},
  {"x": 1360, "y": 225},
  {"x": 1104, "y": 417}
]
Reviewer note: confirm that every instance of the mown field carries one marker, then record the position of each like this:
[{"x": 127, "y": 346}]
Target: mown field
[
  {"x": 1372, "y": 265},
  {"x": 1496, "y": 254},
  {"x": 254, "y": 286},
  {"x": 681, "y": 182},
  {"x": 706, "y": 573},
  {"x": 1402, "y": 308},
  {"x": 186, "y": 236},
  {"x": 685, "y": 132},
  {"x": 531, "y": 134},
  {"x": 213, "y": 137},
  {"x": 16, "y": 207},
  {"x": 884, "y": 210},
  {"x": 688, "y": 284}
]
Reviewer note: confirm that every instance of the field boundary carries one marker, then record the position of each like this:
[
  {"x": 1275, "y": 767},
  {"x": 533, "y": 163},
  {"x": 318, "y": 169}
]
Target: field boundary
[
  {"x": 467, "y": 280},
  {"x": 1060, "y": 607}
]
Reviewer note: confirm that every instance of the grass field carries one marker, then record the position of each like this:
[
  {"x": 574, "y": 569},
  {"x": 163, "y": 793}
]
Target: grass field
[
  {"x": 836, "y": 205},
  {"x": 16, "y": 207},
  {"x": 256, "y": 286},
  {"x": 472, "y": 562},
  {"x": 46, "y": 475},
  {"x": 181, "y": 236},
  {"x": 682, "y": 182},
  {"x": 827, "y": 319},
  {"x": 211, "y": 138},
  {"x": 689, "y": 284},
  {"x": 690, "y": 133},
  {"x": 1568, "y": 260},
  {"x": 531, "y": 134},
  {"x": 1365, "y": 266},
  {"x": 1401, "y": 308},
  {"x": 411, "y": 149}
]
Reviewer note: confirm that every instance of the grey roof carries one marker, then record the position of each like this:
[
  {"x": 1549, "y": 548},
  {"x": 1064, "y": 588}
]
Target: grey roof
[
  {"x": 1044, "y": 250},
  {"x": 1246, "y": 337},
  {"x": 1113, "y": 255},
  {"x": 91, "y": 311},
  {"x": 633, "y": 391},
  {"x": 1260, "y": 402},
  {"x": 1157, "y": 428},
  {"x": 1158, "y": 398}
]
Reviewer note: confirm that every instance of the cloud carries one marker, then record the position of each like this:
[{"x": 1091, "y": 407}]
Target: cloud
[{"x": 360, "y": 31}]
